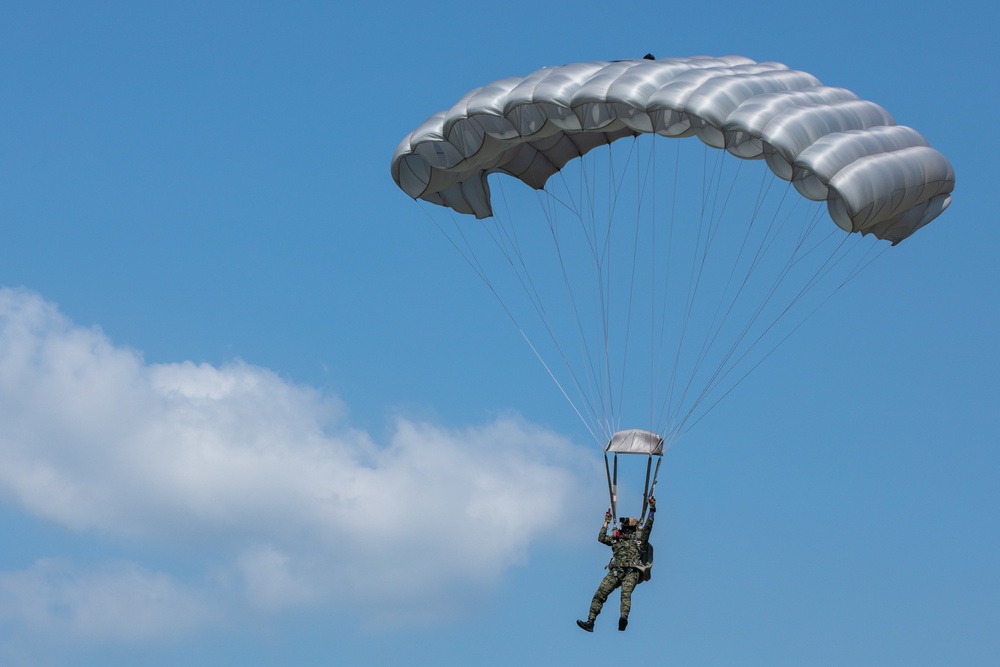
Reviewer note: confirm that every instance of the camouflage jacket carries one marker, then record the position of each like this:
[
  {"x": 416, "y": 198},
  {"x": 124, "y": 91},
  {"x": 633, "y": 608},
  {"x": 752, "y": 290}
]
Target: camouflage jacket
[{"x": 627, "y": 551}]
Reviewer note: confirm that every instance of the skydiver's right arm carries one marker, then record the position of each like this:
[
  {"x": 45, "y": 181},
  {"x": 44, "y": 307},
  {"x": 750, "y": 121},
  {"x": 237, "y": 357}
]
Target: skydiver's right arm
[{"x": 602, "y": 536}]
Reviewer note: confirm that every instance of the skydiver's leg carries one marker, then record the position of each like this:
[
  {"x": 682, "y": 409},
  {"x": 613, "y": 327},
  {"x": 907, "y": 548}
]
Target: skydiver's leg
[
  {"x": 629, "y": 582},
  {"x": 610, "y": 582}
]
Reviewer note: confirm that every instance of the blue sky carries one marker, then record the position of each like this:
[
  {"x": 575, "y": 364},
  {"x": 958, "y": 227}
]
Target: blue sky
[{"x": 255, "y": 410}]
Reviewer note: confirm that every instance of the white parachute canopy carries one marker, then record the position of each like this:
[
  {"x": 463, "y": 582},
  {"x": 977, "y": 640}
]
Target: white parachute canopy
[{"x": 843, "y": 150}]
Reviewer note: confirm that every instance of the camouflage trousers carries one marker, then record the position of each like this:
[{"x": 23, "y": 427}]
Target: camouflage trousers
[{"x": 627, "y": 578}]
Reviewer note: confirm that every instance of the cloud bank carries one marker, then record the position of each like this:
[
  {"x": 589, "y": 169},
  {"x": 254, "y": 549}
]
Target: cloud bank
[{"x": 260, "y": 482}]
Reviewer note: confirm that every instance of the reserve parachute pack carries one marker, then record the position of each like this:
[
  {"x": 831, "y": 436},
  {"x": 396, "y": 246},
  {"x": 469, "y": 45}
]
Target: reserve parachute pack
[{"x": 644, "y": 564}]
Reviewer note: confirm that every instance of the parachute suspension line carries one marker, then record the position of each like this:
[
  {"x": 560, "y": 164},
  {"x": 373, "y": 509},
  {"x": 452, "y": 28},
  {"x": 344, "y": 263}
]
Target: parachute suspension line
[
  {"x": 598, "y": 240},
  {"x": 685, "y": 318},
  {"x": 603, "y": 269},
  {"x": 836, "y": 256},
  {"x": 578, "y": 211},
  {"x": 551, "y": 216},
  {"x": 640, "y": 183},
  {"x": 715, "y": 220},
  {"x": 523, "y": 275},
  {"x": 587, "y": 221},
  {"x": 647, "y": 186},
  {"x": 679, "y": 416},
  {"x": 584, "y": 212},
  {"x": 863, "y": 264},
  {"x": 646, "y": 190},
  {"x": 717, "y": 325},
  {"x": 651, "y": 175},
  {"x": 647, "y": 488},
  {"x": 703, "y": 239},
  {"x": 643, "y": 174},
  {"x": 467, "y": 253},
  {"x": 726, "y": 366},
  {"x": 602, "y": 412},
  {"x": 594, "y": 244},
  {"x": 857, "y": 270},
  {"x": 470, "y": 257},
  {"x": 616, "y": 183},
  {"x": 672, "y": 221}
]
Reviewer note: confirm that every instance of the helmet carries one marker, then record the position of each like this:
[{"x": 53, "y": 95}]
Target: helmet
[{"x": 629, "y": 523}]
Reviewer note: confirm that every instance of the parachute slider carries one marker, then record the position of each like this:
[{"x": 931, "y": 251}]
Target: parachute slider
[{"x": 635, "y": 441}]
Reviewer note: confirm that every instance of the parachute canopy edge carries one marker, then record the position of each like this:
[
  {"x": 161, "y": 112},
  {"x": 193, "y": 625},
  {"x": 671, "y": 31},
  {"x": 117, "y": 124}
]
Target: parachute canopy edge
[{"x": 635, "y": 441}]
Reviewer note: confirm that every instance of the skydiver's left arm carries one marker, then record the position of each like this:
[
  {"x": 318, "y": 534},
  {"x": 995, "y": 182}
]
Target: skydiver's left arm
[{"x": 647, "y": 526}]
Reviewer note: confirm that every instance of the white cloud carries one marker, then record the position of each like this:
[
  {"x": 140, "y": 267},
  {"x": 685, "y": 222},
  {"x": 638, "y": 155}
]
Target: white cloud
[
  {"x": 118, "y": 602},
  {"x": 237, "y": 460}
]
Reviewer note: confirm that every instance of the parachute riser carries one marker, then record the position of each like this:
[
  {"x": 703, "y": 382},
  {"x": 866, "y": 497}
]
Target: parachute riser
[
  {"x": 612, "y": 486},
  {"x": 647, "y": 492},
  {"x": 611, "y": 468}
]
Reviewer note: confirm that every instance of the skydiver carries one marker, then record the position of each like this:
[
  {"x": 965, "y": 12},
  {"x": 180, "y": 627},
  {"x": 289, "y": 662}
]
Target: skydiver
[{"x": 627, "y": 548}]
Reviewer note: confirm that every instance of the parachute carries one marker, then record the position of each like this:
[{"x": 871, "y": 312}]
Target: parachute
[
  {"x": 876, "y": 177},
  {"x": 670, "y": 305}
]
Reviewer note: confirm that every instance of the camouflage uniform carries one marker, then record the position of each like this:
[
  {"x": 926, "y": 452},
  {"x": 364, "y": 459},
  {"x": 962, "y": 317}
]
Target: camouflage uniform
[{"x": 626, "y": 552}]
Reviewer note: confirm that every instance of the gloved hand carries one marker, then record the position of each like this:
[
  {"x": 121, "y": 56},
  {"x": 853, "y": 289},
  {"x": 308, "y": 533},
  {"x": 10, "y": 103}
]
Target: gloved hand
[
  {"x": 607, "y": 516},
  {"x": 652, "y": 504}
]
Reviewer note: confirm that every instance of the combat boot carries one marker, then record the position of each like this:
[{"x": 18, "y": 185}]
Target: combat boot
[
  {"x": 586, "y": 625},
  {"x": 622, "y": 623}
]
